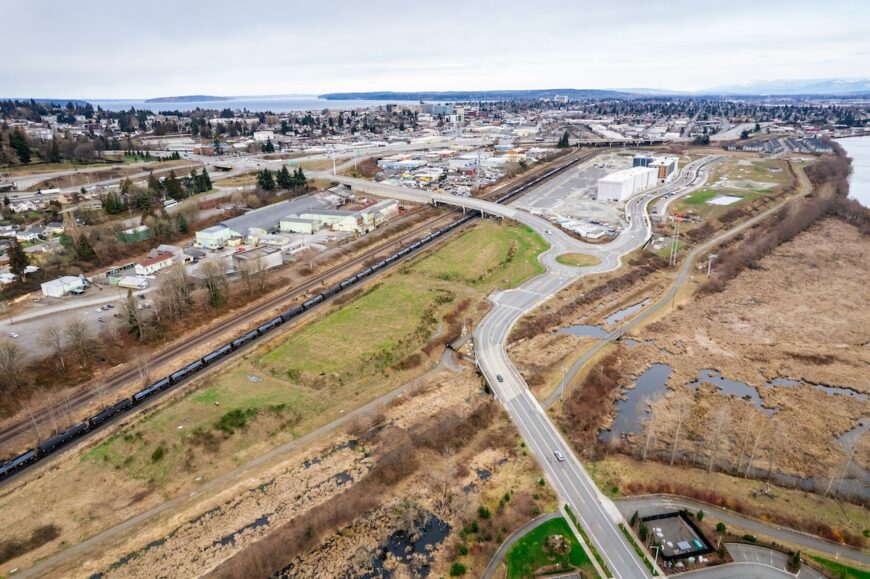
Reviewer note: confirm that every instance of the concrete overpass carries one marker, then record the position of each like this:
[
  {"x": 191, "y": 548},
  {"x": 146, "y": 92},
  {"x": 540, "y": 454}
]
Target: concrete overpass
[{"x": 621, "y": 143}]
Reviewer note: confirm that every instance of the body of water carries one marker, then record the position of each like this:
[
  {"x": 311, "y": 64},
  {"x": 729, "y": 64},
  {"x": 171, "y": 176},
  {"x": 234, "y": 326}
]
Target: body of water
[
  {"x": 275, "y": 104},
  {"x": 859, "y": 182}
]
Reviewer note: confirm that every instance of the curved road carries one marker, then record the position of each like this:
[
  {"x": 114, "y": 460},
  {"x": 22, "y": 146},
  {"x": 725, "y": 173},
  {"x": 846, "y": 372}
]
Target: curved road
[
  {"x": 597, "y": 513},
  {"x": 666, "y": 299},
  {"x": 657, "y": 503}
]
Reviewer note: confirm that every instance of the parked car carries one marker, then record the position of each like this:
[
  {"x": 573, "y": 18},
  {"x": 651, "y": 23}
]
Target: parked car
[{"x": 13, "y": 335}]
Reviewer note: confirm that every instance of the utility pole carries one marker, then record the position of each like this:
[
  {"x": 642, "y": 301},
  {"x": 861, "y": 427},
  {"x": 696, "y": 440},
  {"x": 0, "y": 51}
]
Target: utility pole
[
  {"x": 710, "y": 263},
  {"x": 564, "y": 375},
  {"x": 676, "y": 238}
]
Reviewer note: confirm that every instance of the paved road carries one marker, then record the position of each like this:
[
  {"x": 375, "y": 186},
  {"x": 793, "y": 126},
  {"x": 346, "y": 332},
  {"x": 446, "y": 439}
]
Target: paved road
[
  {"x": 598, "y": 515},
  {"x": 738, "y": 571},
  {"x": 743, "y": 553},
  {"x": 666, "y": 300},
  {"x": 652, "y": 504},
  {"x": 512, "y": 539}
]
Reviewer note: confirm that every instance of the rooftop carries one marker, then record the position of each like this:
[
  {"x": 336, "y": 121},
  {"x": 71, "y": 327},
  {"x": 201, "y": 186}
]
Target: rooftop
[{"x": 269, "y": 216}]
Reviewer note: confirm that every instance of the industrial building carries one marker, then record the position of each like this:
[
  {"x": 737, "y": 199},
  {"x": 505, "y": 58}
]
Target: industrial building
[
  {"x": 154, "y": 264},
  {"x": 57, "y": 288},
  {"x": 621, "y": 185},
  {"x": 267, "y": 219},
  {"x": 264, "y": 258},
  {"x": 666, "y": 167}
]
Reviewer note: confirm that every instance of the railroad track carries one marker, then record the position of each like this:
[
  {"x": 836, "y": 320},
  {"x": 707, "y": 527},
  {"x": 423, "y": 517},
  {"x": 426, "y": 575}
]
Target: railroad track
[{"x": 77, "y": 402}]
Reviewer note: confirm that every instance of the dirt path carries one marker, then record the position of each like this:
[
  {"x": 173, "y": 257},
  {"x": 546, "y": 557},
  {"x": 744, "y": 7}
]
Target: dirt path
[{"x": 238, "y": 475}]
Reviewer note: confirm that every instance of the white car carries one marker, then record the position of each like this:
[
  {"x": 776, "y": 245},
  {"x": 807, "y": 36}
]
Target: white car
[
  {"x": 559, "y": 456},
  {"x": 13, "y": 335}
]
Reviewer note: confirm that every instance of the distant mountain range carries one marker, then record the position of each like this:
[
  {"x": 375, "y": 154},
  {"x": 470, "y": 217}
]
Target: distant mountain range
[
  {"x": 828, "y": 86},
  {"x": 833, "y": 87},
  {"x": 194, "y": 98}
]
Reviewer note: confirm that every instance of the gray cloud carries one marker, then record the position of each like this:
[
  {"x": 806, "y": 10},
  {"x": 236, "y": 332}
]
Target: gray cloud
[{"x": 102, "y": 49}]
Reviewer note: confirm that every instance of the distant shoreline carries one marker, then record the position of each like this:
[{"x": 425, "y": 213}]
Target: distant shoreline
[{"x": 199, "y": 98}]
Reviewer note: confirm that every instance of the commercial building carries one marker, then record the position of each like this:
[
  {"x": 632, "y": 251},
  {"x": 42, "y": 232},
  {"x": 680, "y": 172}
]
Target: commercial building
[
  {"x": 152, "y": 265},
  {"x": 133, "y": 282},
  {"x": 666, "y": 167},
  {"x": 57, "y": 288},
  {"x": 299, "y": 225},
  {"x": 266, "y": 219},
  {"x": 260, "y": 258},
  {"x": 621, "y": 185}
]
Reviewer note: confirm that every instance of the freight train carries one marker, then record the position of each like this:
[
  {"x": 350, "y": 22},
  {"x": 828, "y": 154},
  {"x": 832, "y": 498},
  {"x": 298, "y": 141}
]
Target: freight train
[
  {"x": 57, "y": 441},
  {"x": 61, "y": 439}
]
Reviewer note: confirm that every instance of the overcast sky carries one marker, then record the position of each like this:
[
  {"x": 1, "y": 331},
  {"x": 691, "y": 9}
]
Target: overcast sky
[{"x": 119, "y": 49}]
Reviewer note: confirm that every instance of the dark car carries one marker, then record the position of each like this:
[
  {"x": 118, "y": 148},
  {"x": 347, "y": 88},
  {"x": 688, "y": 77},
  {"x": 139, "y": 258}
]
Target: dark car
[{"x": 499, "y": 378}]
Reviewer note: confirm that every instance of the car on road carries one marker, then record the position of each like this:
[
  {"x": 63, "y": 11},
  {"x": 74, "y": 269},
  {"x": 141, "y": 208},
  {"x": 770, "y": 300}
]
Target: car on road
[
  {"x": 559, "y": 456},
  {"x": 13, "y": 335},
  {"x": 499, "y": 377}
]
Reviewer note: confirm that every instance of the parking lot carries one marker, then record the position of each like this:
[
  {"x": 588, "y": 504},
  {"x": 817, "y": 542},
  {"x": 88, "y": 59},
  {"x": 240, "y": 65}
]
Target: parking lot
[
  {"x": 572, "y": 194},
  {"x": 677, "y": 538},
  {"x": 742, "y": 553}
]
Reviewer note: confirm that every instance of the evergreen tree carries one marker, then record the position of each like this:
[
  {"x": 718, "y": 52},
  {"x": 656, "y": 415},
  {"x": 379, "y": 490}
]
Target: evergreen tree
[
  {"x": 84, "y": 250},
  {"x": 299, "y": 179},
  {"x": 181, "y": 224},
  {"x": 154, "y": 185},
  {"x": 563, "y": 142},
  {"x": 173, "y": 187},
  {"x": 267, "y": 147},
  {"x": 203, "y": 181},
  {"x": 284, "y": 180},
  {"x": 6, "y": 200},
  {"x": 18, "y": 260},
  {"x": 265, "y": 180},
  {"x": 19, "y": 143},
  {"x": 54, "y": 153}
]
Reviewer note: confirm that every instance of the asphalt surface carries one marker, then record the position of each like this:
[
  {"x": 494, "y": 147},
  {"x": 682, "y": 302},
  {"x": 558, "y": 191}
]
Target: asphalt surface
[
  {"x": 512, "y": 539},
  {"x": 653, "y": 504},
  {"x": 597, "y": 513}
]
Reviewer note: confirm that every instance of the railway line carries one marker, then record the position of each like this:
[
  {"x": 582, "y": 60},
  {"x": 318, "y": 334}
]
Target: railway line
[{"x": 78, "y": 402}]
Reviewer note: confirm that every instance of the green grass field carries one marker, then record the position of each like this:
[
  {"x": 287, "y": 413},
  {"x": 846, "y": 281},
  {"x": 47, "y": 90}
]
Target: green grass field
[
  {"x": 577, "y": 259},
  {"x": 488, "y": 256},
  {"x": 531, "y": 553},
  {"x": 700, "y": 197},
  {"x": 841, "y": 570},
  {"x": 337, "y": 362}
]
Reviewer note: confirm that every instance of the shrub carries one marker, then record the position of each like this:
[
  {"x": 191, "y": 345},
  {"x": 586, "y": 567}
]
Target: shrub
[
  {"x": 700, "y": 516},
  {"x": 750, "y": 538},
  {"x": 235, "y": 420},
  {"x": 720, "y": 527},
  {"x": 483, "y": 512},
  {"x": 457, "y": 569},
  {"x": 158, "y": 453}
]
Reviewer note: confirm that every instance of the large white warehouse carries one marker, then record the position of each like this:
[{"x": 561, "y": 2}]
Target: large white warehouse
[{"x": 623, "y": 184}]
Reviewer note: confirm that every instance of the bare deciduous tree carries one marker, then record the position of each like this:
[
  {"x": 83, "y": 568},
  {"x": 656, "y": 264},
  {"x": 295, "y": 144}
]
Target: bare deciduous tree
[
  {"x": 173, "y": 295},
  {"x": 11, "y": 363},
  {"x": 52, "y": 338},
  {"x": 721, "y": 417},
  {"x": 758, "y": 434},
  {"x": 682, "y": 402},
  {"x": 81, "y": 341},
  {"x": 216, "y": 282}
]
